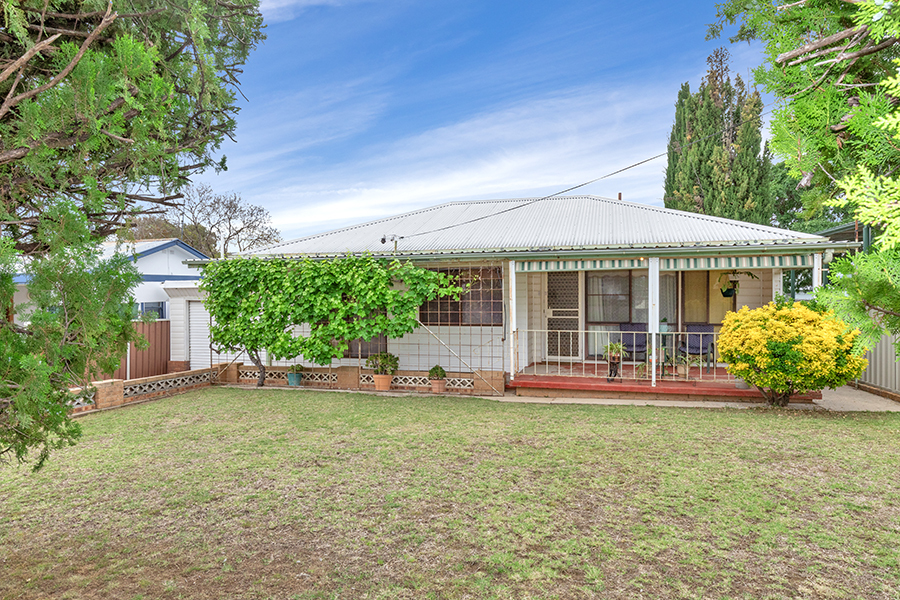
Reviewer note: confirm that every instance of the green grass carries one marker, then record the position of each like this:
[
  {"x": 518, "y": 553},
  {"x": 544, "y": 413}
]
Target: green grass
[{"x": 229, "y": 493}]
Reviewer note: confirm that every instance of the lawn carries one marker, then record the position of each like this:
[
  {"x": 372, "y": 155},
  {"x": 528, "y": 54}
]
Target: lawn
[{"x": 229, "y": 493}]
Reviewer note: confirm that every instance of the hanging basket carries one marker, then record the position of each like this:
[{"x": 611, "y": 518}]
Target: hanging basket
[{"x": 728, "y": 292}]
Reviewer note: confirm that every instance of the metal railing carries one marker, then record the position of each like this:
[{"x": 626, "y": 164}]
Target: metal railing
[{"x": 614, "y": 354}]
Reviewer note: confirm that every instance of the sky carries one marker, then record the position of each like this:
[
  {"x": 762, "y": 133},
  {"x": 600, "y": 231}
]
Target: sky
[{"x": 362, "y": 109}]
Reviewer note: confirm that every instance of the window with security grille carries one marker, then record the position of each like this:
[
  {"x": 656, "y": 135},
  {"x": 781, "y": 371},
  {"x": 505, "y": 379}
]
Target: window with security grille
[
  {"x": 481, "y": 304},
  {"x": 360, "y": 348}
]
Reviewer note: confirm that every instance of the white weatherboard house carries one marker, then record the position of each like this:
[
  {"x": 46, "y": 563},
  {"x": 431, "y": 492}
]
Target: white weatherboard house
[
  {"x": 157, "y": 261},
  {"x": 555, "y": 282}
]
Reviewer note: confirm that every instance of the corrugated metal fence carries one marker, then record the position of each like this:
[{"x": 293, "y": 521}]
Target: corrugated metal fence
[
  {"x": 152, "y": 361},
  {"x": 883, "y": 371}
]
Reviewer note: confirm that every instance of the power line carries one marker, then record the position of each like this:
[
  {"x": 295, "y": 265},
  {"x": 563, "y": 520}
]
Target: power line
[{"x": 574, "y": 187}]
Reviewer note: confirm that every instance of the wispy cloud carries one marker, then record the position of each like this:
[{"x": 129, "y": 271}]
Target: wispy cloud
[
  {"x": 365, "y": 146},
  {"x": 285, "y": 10},
  {"x": 532, "y": 147}
]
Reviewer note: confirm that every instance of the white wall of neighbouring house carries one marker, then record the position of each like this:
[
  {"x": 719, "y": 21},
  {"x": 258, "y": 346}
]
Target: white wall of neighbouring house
[{"x": 20, "y": 298}]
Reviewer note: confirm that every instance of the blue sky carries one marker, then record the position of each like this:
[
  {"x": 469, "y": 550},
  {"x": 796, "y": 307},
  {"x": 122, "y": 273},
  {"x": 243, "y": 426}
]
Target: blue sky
[{"x": 360, "y": 109}]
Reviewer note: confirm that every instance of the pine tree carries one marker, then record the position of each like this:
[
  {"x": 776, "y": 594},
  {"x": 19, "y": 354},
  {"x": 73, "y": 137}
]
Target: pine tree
[{"x": 717, "y": 164}]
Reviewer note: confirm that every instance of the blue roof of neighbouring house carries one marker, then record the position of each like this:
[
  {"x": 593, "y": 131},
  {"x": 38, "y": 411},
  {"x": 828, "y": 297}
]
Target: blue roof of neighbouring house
[{"x": 140, "y": 248}]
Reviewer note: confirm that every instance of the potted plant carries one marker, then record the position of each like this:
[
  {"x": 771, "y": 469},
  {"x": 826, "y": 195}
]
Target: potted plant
[
  {"x": 729, "y": 282},
  {"x": 295, "y": 374},
  {"x": 684, "y": 363},
  {"x": 614, "y": 351},
  {"x": 664, "y": 325},
  {"x": 438, "y": 377},
  {"x": 385, "y": 365}
]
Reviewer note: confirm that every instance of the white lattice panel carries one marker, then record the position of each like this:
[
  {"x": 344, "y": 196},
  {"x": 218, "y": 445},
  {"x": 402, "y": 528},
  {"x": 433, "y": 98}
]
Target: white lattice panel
[
  {"x": 165, "y": 385},
  {"x": 270, "y": 375},
  {"x": 410, "y": 380},
  {"x": 316, "y": 377},
  {"x": 79, "y": 399},
  {"x": 461, "y": 382}
]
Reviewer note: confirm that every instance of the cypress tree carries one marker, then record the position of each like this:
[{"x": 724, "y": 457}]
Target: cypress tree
[{"x": 717, "y": 164}]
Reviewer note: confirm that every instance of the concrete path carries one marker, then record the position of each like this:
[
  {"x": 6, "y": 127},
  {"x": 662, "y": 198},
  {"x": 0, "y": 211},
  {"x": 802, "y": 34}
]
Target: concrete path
[
  {"x": 843, "y": 399},
  {"x": 847, "y": 399}
]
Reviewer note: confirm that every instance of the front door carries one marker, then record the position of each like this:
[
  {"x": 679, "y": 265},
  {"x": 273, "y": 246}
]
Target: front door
[{"x": 563, "y": 315}]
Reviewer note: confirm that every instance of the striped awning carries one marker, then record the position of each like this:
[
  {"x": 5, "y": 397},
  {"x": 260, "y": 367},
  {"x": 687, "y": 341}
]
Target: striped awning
[{"x": 704, "y": 263}]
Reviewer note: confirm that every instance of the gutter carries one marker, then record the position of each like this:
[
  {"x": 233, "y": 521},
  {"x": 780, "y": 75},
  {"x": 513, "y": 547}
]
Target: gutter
[{"x": 680, "y": 251}]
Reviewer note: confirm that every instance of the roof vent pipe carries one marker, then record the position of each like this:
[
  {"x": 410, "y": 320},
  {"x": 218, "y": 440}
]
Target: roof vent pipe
[{"x": 620, "y": 195}]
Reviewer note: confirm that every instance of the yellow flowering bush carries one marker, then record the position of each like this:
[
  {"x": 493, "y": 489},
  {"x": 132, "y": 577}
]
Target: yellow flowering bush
[{"x": 788, "y": 348}]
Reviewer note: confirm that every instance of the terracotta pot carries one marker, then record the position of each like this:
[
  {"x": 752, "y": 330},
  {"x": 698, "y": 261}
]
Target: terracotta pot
[
  {"x": 383, "y": 382},
  {"x": 438, "y": 386}
]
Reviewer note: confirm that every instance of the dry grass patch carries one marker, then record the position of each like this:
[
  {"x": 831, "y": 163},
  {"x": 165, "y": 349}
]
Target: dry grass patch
[{"x": 292, "y": 494}]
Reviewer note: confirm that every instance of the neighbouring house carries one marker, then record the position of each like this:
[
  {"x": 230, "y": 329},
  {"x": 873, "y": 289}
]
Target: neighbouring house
[
  {"x": 158, "y": 261},
  {"x": 556, "y": 285}
]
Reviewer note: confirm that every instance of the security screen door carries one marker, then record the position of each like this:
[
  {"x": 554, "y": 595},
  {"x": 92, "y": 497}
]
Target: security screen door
[{"x": 563, "y": 315}]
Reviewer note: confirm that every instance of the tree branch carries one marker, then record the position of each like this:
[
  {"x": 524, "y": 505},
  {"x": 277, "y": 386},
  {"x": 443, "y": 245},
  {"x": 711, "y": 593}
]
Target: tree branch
[
  {"x": 27, "y": 56},
  {"x": 880, "y": 309},
  {"x": 107, "y": 20},
  {"x": 821, "y": 43}
]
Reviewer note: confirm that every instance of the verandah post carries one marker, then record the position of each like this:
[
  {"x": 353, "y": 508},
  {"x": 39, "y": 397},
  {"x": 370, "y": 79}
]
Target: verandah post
[
  {"x": 512, "y": 320},
  {"x": 653, "y": 316}
]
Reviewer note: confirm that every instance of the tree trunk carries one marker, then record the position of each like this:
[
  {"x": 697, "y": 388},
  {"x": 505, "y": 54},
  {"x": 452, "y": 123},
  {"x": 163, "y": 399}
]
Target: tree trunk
[
  {"x": 776, "y": 398},
  {"x": 254, "y": 356}
]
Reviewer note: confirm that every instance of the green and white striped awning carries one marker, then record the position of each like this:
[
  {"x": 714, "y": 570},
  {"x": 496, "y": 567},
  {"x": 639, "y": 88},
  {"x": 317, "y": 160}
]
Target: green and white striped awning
[{"x": 705, "y": 263}]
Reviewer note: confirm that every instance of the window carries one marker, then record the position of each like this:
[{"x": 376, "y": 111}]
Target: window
[
  {"x": 481, "y": 305},
  {"x": 360, "y": 348},
  {"x": 155, "y": 309},
  {"x": 623, "y": 296},
  {"x": 609, "y": 297}
]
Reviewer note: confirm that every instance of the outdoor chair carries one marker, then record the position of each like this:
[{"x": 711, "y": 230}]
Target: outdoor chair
[
  {"x": 701, "y": 341},
  {"x": 634, "y": 337}
]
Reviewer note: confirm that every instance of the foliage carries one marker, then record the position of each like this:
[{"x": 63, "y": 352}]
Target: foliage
[
  {"x": 75, "y": 328},
  {"x": 296, "y": 369},
  {"x": 614, "y": 349},
  {"x": 786, "y": 349},
  {"x": 437, "y": 372},
  {"x": 875, "y": 192},
  {"x": 383, "y": 363},
  {"x": 715, "y": 164},
  {"x": 111, "y": 110},
  {"x": 865, "y": 290},
  {"x": 832, "y": 65},
  {"x": 256, "y": 304},
  {"x": 205, "y": 220},
  {"x": 824, "y": 63}
]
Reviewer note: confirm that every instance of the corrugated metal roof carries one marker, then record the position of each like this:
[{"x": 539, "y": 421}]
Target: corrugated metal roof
[{"x": 565, "y": 222}]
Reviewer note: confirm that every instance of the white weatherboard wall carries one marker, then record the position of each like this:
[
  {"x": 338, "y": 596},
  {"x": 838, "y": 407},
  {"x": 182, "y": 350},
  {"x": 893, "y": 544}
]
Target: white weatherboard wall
[
  {"x": 754, "y": 293},
  {"x": 200, "y": 354}
]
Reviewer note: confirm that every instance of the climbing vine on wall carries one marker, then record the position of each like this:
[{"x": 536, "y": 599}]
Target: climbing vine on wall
[{"x": 256, "y": 304}]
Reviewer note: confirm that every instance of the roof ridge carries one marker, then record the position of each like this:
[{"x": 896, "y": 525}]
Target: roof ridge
[
  {"x": 693, "y": 215},
  {"x": 527, "y": 201}
]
